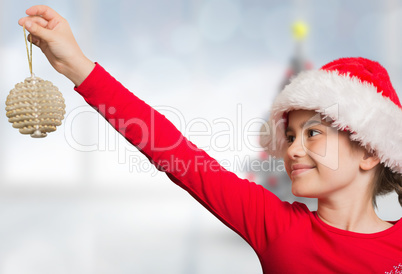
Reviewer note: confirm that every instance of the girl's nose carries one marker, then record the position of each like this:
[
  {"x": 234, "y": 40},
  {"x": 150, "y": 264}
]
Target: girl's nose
[{"x": 296, "y": 149}]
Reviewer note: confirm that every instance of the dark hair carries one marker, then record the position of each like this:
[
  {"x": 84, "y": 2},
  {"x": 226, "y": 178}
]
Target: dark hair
[{"x": 385, "y": 182}]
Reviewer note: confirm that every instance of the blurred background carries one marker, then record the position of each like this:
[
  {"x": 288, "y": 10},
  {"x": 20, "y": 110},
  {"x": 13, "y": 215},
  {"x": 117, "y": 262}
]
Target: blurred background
[{"x": 84, "y": 201}]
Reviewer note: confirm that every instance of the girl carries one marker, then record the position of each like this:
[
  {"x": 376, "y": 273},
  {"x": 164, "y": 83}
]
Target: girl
[{"x": 337, "y": 128}]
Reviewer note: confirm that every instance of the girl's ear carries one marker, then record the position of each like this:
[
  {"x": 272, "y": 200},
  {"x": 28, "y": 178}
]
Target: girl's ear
[{"x": 369, "y": 161}]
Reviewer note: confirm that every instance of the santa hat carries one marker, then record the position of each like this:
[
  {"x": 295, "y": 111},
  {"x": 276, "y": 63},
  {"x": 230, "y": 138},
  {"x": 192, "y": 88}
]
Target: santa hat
[{"x": 356, "y": 94}]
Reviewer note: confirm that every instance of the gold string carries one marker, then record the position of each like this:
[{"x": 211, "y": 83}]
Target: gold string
[{"x": 29, "y": 51}]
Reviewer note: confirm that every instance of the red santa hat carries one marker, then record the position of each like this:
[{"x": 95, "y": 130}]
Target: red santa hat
[{"x": 356, "y": 94}]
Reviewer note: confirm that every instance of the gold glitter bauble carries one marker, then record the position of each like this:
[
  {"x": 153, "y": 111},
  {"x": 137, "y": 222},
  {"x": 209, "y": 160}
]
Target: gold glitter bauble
[{"x": 35, "y": 107}]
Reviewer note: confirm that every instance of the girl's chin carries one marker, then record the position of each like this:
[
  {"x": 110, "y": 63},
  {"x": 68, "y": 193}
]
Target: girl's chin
[
  {"x": 301, "y": 191},
  {"x": 304, "y": 195}
]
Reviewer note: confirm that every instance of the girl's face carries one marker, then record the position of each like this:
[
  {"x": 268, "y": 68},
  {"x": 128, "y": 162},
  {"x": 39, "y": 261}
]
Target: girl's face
[{"x": 320, "y": 160}]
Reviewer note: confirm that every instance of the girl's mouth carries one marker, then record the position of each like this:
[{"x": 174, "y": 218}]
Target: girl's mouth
[{"x": 298, "y": 169}]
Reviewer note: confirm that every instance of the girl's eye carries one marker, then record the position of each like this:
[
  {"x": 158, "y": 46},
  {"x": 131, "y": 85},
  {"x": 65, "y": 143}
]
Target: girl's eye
[
  {"x": 312, "y": 132},
  {"x": 290, "y": 138}
]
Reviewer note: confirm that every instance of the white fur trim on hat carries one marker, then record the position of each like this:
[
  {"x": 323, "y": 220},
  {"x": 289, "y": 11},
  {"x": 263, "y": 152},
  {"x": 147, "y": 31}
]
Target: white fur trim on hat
[{"x": 373, "y": 120}]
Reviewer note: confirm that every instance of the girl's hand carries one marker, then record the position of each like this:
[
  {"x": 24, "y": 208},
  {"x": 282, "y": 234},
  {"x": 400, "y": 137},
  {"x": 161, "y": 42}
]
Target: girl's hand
[{"x": 52, "y": 34}]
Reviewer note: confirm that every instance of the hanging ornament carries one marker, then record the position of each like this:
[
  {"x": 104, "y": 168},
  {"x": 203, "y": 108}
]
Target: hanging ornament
[{"x": 35, "y": 106}]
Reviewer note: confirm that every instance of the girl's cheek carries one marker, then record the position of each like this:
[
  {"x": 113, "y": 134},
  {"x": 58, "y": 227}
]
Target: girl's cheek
[
  {"x": 325, "y": 154},
  {"x": 317, "y": 147}
]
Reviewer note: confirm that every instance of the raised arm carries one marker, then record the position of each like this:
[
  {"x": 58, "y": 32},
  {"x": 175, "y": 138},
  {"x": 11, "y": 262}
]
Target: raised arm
[
  {"x": 241, "y": 205},
  {"x": 245, "y": 207}
]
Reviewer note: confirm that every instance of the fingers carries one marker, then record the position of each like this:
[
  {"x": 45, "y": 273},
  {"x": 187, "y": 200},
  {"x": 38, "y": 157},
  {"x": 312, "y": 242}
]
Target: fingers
[
  {"x": 43, "y": 11},
  {"x": 37, "y": 30},
  {"x": 41, "y": 20},
  {"x": 34, "y": 40},
  {"x": 35, "y": 19}
]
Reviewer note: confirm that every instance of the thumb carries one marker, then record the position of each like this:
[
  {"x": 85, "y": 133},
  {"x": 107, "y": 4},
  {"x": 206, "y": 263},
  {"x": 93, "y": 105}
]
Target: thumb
[{"x": 38, "y": 31}]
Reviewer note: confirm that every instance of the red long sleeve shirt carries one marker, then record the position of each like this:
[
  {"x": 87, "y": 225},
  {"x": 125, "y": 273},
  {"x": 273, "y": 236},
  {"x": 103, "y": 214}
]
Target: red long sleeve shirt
[{"x": 287, "y": 238}]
